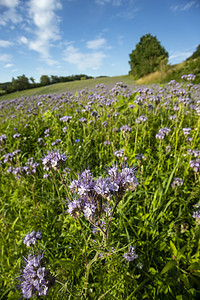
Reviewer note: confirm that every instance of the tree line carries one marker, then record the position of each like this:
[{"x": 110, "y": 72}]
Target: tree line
[{"x": 23, "y": 83}]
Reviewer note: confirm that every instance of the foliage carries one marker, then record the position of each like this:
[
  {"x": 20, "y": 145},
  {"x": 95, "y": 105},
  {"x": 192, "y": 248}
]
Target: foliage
[
  {"x": 147, "y": 57},
  {"x": 196, "y": 53},
  {"x": 153, "y": 246}
]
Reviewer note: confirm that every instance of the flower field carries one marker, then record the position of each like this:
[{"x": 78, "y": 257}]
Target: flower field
[{"x": 100, "y": 193}]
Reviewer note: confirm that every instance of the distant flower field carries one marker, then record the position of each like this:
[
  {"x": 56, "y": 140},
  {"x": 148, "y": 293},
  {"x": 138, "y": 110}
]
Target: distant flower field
[{"x": 100, "y": 193}]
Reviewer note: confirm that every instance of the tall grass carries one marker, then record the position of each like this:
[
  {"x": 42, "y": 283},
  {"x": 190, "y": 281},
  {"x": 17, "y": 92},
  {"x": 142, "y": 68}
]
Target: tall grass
[{"x": 158, "y": 220}]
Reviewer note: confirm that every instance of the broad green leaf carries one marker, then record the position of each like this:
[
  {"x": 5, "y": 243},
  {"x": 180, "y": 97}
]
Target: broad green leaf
[
  {"x": 169, "y": 265},
  {"x": 173, "y": 248}
]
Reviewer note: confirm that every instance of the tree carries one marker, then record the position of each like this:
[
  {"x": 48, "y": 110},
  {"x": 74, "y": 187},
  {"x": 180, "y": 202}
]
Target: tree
[
  {"x": 19, "y": 84},
  {"x": 147, "y": 57},
  {"x": 45, "y": 80}
]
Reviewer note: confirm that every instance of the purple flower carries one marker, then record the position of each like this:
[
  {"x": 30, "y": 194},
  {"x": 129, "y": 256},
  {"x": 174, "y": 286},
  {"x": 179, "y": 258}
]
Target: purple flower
[
  {"x": 31, "y": 238},
  {"x": 66, "y": 119},
  {"x": 16, "y": 135},
  {"x": 177, "y": 182},
  {"x": 130, "y": 255},
  {"x": 195, "y": 164},
  {"x": 141, "y": 119},
  {"x": 53, "y": 160},
  {"x": 35, "y": 279},
  {"x": 119, "y": 153},
  {"x": 125, "y": 128}
]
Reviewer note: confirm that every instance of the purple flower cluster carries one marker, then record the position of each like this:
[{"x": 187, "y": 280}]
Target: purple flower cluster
[
  {"x": 3, "y": 138},
  {"x": 130, "y": 255},
  {"x": 177, "y": 182},
  {"x": 28, "y": 169},
  {"x": 125, "y": 128},
  {"x": 32, "y": 238},
  {"x": 66, "y": 119},
  {"x": 196, "y": 216},
  {"x": 119, "y": 153},
  {"x": 35, "y": 279},
  {"x": 186, "y": 131},
  {"x": 189, "y": 77},
  {"x": 162, "y": 133},
  {"x": 141, "y": 119},
  {"x": 195, "y": 164},
  {"x": 93, "y": 196},
  {"x": 54, "y": 159}
]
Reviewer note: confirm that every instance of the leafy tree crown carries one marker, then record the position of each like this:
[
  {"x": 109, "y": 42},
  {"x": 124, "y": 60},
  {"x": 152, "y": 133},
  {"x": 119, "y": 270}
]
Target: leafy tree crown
[{"x": 147, "y": 57}]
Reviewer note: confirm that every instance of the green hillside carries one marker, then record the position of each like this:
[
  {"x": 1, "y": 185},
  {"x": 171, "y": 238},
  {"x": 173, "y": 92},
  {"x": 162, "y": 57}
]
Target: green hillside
[
  {"x": 190, "y": 66},
  {"x": 72, "y": 86}
]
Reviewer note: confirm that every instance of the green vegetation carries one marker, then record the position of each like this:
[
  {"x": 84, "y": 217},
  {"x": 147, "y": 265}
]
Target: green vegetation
[
  {"x": 146, "y": 240},
  {"x": 148, "y": 56},
  {"x": 72, "y": 86}
]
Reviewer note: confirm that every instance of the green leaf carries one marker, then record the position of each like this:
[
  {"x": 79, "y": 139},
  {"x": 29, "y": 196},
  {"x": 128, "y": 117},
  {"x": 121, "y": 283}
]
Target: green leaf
[
  {"x": 194, "y": 266},
  {"x": 169, "y": 265},
  {"x": 185, "y": 280},
  {"x": 173, "y": 248}
]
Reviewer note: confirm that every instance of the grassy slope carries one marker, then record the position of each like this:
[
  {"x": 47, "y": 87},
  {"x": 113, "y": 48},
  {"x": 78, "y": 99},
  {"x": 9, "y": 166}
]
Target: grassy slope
[
  {"x": 173, "y": 72},
  {"x": 72, "y": 86}
]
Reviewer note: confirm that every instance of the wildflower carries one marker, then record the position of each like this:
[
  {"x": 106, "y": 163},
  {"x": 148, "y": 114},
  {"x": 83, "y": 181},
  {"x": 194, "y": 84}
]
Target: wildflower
[
  {"x": 83, "y": 120},
  {"x": 196, "y": 216},
  {"x": 3, "y": 138},
  {"x": 125, "y": 128},
  {"x": 35, "y": 279},
  {"x": 66, "y": 119},
  {"x": 53, "y": 160},
  {"x": 177, "y": 182},
  {"x": 93, "y": 196},
  {"x": 119, "y": 153},
  {"x": 186, "y": 131},
  {"x": 195, "y": 164},
  {"x": 31, "y": 238},
  {"x": 130, "y": 255},
  {"x": 168, "y": 149},
  {"x": 16, "y": 135},
  {"x": 141, "y": 119}
]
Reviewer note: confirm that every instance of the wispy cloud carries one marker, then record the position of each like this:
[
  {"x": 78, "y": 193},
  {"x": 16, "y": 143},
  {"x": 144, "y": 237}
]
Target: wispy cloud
[
  {"x": 185, "y": 6},
  {"x": 127, "y": 14},
  {"x": 4, "y": 43},
  {"x": 10, "y": 14},
  {"x": 6, "y": 58},
  {"x": 113, "y": 2},
  {"x": 179, "y": 56},
  {"x": 96, "y": 44},
  {"x": 84, "y": 61},
  {"x": 23, "y": 40},
  {"x": 46, "y": 30},
  {"x": 8, "y": 66}
]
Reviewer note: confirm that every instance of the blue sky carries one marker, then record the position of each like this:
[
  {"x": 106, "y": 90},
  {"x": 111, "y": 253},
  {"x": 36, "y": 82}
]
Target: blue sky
[{"x": 93, "y": 37}]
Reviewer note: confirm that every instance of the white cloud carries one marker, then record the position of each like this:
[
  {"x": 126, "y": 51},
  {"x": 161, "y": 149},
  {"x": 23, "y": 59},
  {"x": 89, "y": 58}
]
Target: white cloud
[
  {"x": 184, "y": 7},
  {"x": 42, "y": 13},
  {"x": 10, "y": 15},
  {"x": 23, "y": 40},
  {"x": 84, "y": 61},
  {"x": 113, "y": 2},
  {"x": 5, "y": 58},
  {"x": 8, "y": 65},
  {"x": 96, "y": 44},
  {"x": 179, "y": 56},
  {"x": 5, "y": 44},
  {"x": 9, "y": 3}
]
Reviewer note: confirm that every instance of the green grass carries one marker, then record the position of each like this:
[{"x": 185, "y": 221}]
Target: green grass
[
  {"x": 155, "y": 218},
  {"x": 73, "y": 86}
]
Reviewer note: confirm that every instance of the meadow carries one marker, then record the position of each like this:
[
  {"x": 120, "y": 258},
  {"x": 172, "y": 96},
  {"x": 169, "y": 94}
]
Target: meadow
[{"x": 99, "y": 193}]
